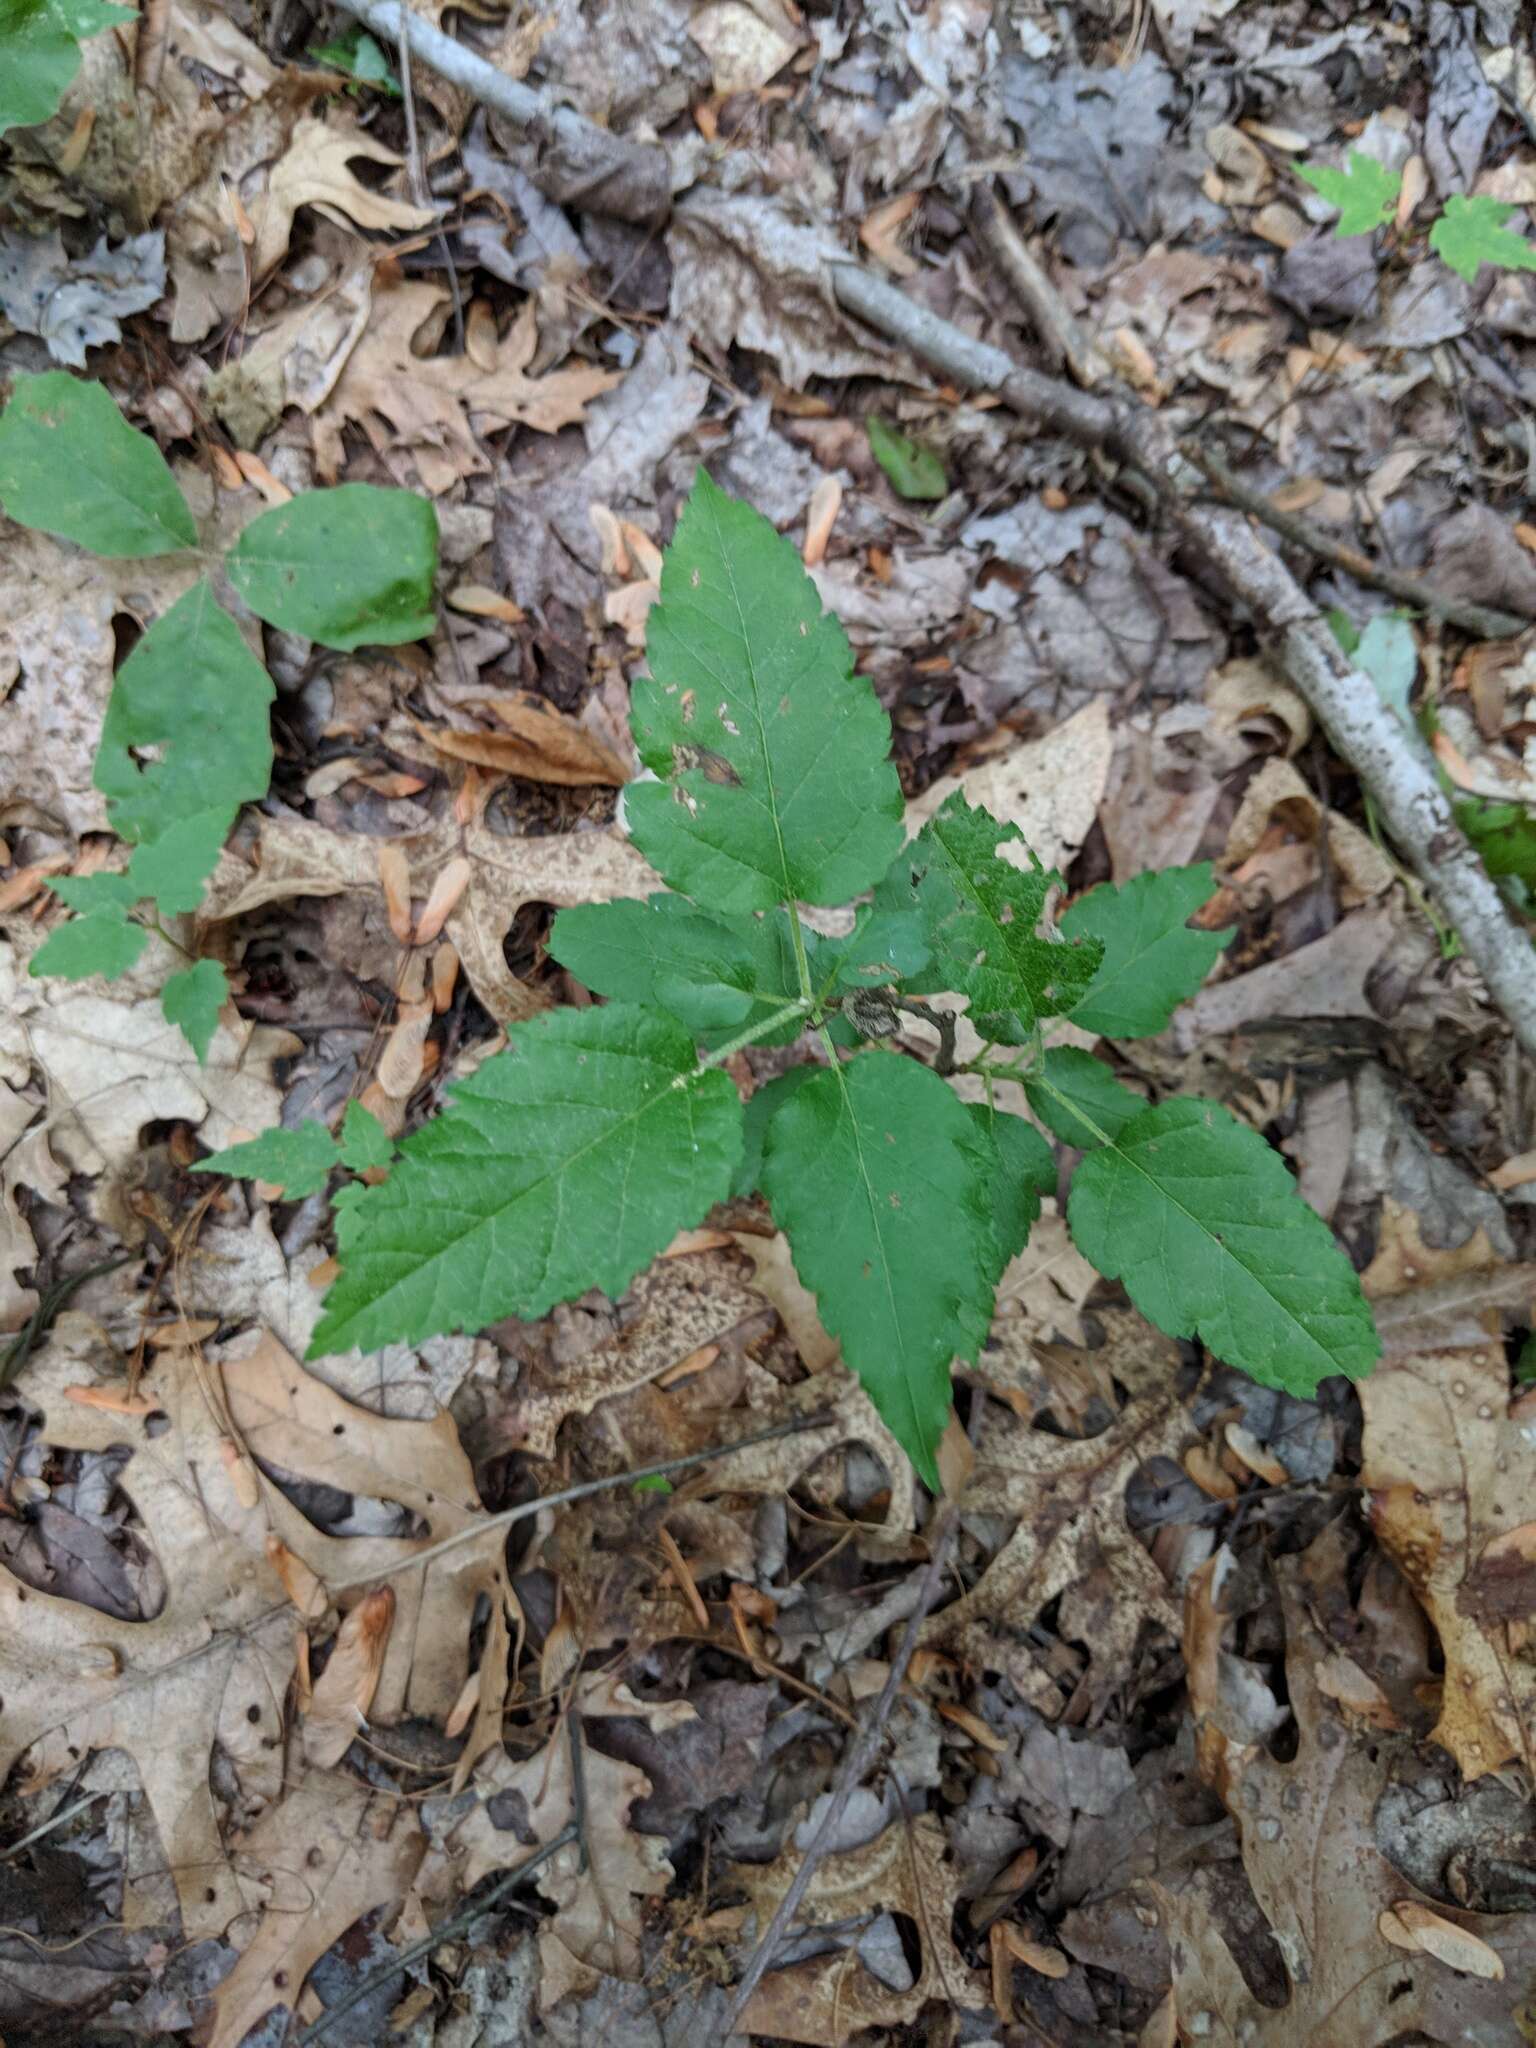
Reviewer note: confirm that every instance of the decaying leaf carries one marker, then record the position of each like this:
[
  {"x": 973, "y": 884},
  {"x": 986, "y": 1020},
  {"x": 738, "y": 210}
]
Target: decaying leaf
[
  {"x": 525, "y": 737},
  {"x": 599, "y": 1887},
  {"x": 825, "y": 2000},
  {"x": 1049, "y": 788},
  {"x": 435, "y": 407},
  {"x": 1452, "y": 1479},
  {"x": 212, "y": 1666},
  {"x": 315, "y": 171},
  {"x": 326, "y": 1854},
  {"x": 296, "y": 858},
  {"x": 1310, "y": 1852},
  {"x": 1068, "y": 1494}
]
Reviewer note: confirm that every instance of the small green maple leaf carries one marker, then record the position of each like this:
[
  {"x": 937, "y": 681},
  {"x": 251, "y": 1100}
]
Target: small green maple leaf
[
  {"x": 1365, "y": 194},
  {"x": 1471, "y": 232}
]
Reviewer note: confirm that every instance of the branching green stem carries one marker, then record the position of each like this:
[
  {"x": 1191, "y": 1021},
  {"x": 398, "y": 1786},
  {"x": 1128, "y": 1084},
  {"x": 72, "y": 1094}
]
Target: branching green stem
[
  {"x": 1073, "y": 1108},
  {"x": 758, "y": 1031}
]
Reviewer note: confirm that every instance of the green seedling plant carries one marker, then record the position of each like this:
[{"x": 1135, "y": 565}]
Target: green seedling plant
[
  {"x": 1467, "y": 233},
  {"x": 187, "y": 739},
  {"x": 571, "y": 1159}
]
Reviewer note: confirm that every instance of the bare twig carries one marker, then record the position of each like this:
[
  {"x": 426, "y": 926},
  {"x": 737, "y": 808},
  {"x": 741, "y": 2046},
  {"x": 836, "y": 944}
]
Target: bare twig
[
  {"x": 850, "y": 1774},
  {"x": 1054, "y": 323},
  {"x": 472, "y": 1532},
  {"x": 579, "y": 163},
  {"x": 1483, "y": 620},
  {"x": 445, "y": 1930},
  {"x": 1399, "y": 779}
]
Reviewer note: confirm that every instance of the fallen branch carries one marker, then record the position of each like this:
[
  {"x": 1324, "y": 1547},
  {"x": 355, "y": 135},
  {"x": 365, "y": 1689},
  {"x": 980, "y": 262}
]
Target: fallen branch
[
  {"x": 1483, "y": 620},
  {"x": 1399, "y": 779},
  {"x": 851, "y": 1772},
  {"x": 1063, "y": 335},
  {"x": 576, "y": 162}
]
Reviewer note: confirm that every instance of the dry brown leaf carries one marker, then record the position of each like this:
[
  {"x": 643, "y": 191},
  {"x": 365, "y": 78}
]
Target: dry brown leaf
[
  {"x": 1309, "y": 1848},
  {"x": 297, "y": 361},
  {"x": 677, "y": 1307},
  {"x": 1068, "y": 1495},
  {"x": 337, "y": 1709},
  {"x": 1277, "y": 790},
  {"x": 1403, "y": 1261},
  {"x": 745, "y": 45},
  {"x": 598, "y": 1889},
  {"x": 825, "y": 2000},
  {"x": 211, "y": 1667},
  {"x": 1049, "y": 788},
  {"x": 295, "y": 858},
  {"x": 434, "y": 407},
  {"x": 315, "y": 171},
  {"x": 1450, "y": 1474},
  {"x": 330, "y": 1852},
  {"x": 291, "y": 1422},
  {"x": 536, "y": 741},
  {"x": 114, "y": 1065},
  {"x": 1249, "y": 689}
]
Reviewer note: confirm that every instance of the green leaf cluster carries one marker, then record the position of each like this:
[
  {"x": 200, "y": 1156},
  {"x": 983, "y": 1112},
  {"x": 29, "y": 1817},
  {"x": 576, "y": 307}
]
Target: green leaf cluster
[
  {"x": 186, "y": 739},
  {"x": 1466, "y": 234},
  {"x": 569, "y": 1160}
]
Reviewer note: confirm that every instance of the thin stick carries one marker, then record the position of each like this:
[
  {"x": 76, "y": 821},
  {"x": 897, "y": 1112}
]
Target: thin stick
[
  {"x": 1058, "y": 328},
  {"x": 579, "y": 163},
  {"x": 1485, "y": 621},
  {"x": 445, "y": 1930},
  {"x": 474, "y": 1531},
  {"x": 1399, "y": 780},
  {"x": 850, "y": 1774}
]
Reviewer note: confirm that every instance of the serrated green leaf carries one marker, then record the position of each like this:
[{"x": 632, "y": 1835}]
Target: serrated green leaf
[
  {"x": 192, "y": 999},
  {"x": 780, "y": 787},
  {"x": 1389, "y": 655},
  {"x": 566, "y": 1162},
  {"x": 1471, "y": 232},
  {"x": 884, "y": 946},
  {"x": 70, "y": 464},
  {"x": 213, "y": 734},
  {"x": 90, "y": 894},
  {"x": 1152, "y": 959},
  {"x": 1026, "y": 1171},
  {"x": 40, "y": 53},
  {"x": 1199, "y": 1218},
  {"x": 364, "y": 1141},
  {"x": 298, "y": 1161},
  {"x": 1504, "y": 835},
  {"x": 878, "y": 1175},
  {"x": 348, "y": 567},
  {"x": 103, "y": 942},
  {"x": 1089, "y": 1086},
  {"x": 762, "y": 1106},
  {"x": 174, "y": 865},
  {"x": 981, "y": 918},
  {"x": 914, "y": 471},
  {"x": 715, "y": 975},
  {"x": 1365, "y": 194}
]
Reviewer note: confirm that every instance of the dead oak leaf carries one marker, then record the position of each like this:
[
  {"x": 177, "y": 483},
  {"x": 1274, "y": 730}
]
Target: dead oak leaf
[
  {"x": 1068, "y": 1494},
  {"x": 830, "y": 1997},
  {"x": 295, "y": 858},
  {"x": 1309, "y": 1849},
  {"x": 599, "y": 1887},
  {"x": 293, "y": 1424},
  {"x": 435, "y": 406},
  {"x": 327, "y": 1853},
  {"x": 212, "y": 1667},
  {"x": 315, "y": 170},
  {"x": 1451, "y": 1477}
]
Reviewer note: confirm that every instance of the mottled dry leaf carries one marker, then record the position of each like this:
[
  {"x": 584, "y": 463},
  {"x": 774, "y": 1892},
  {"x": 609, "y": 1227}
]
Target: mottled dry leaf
[
  {"x": 295, "y": 858},
  {"x": 1049, "y": 788},
  {"x": 1068, "y": 1495},
  {"x": 1450, "y": 1474},
  {"x": 330, "y": 1851},
  {"x": 314, "y": 171},
  {"x": 825, "y": 2000}
]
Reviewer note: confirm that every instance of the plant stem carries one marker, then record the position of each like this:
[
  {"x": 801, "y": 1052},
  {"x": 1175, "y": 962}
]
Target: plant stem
[
  {"x": 759, "y": 1030},
  {"x": 157, "y": 927}
]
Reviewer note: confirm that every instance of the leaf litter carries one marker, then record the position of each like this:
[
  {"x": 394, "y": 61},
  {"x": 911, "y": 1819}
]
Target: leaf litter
[{"x": 1205, "y": 1644}]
